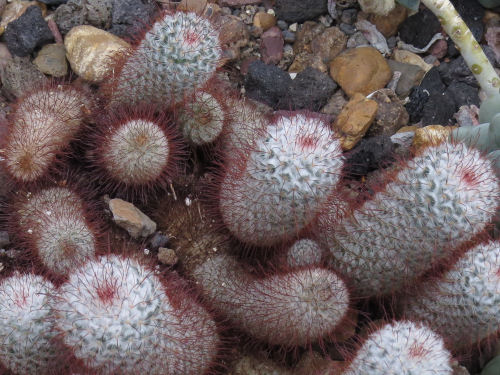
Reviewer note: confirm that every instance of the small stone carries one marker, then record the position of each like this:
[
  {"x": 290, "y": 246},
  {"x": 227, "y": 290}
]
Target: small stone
[
  {"x": 167, "y": 256},
  {"x": 89, "y": 51},
  {"x": 432, "y": 82},
  {"x": 391, "y": 114},
  {"x": 27, "y": 32},
  {"x": 349, "y": 16},
  {"x": 310, "y": 90},
  {"x": 128, "y": 16},
  {"x": 52, "y": 2},
  {"x": 305, "y": 35},
  {"x": 282, "y": 25},
  {"x": 463, "y": 94},
  {"x": 293, "y": 27},
  {"x": 439, "y": 48},
  {"x": 411, "y": 75},
  {"x": 97, "y": 13},
  {"x": 288, "y": 36},
  {"x": 347, "y": 29},
  {"x": 233, "y": 32},
  {"x": 439, "y": 109},
  {"x": 158, "y": 240},
  {"x": 417, "y": 99},
  {"x": 370, "y": 154},
  {"x": 197, "y": 6},
  {"x": 5, "y": 56},
  {"x": 304, "y": 60},
  {"x": 267, "y": 83},
  {"x": 299, "y": 10},
  {"x": 15, "y": 9},
  {"x": 360, "y": 70},
  {"x": 335, "y": 104},
  {"x": 388, "y": 25},
  {"x": 130, "y": 218},
  {"x": 272, "y": 45},
  {"x": 354, "y": 120},
  {"x": 51, "y": 60},
  {"x": 4, "y": 238},
  {"x": 408, "y": 57},
  {"x": 412, "y": 32},
  {"x": 329, "y": 43},
  {"x": 264, "y": 20},
  {"x": 20, "y": 76},
  {"x": 357, "y": 40},
  {"x": 431, "y": 135}
]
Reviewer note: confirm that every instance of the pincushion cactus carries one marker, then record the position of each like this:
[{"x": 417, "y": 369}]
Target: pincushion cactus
[
  {"x": 304, "y": 252},
  {"x": 290, "y": 309},
  {"x": 275, "y": 186},
  {"x": 28, "y": 341},
  {"x": 41, "y": 128},
  {"x": 440, "y": 199},
  {"x": 117, "y": 317},
  {"x": 463, "y": 305},
  {"x": 402, "y": 348},
  {"x": 179, "y": 53}
]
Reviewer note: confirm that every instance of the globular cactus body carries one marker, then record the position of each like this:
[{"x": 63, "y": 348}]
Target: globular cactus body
[
  {"x": 28, "y": 343},
  {"x": 290, "y": 309},
  {"x": 463, "y": 305},
  {"x": 303, "y": 253},
  {"x": 178, "y": 54},
  {"x": 440, "y": 199},
  {"x": 273, "y": 188},
  {"x": 116, "y": 317},
  {"x": 402, "y": 348}
]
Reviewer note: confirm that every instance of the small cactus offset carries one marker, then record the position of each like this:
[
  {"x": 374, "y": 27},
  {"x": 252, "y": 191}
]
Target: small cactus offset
[
  {"x": 440, "y": 199},
  {"x": 293, "y": 308},
  {"x": 116, "y": 316},
  {"x": 463, "y": 305},
  {"x": 178, "y": 54},
  {"x": 402, "y": 348},
  {"x": 303, "y": 253},
  {"x": 275, "y": 186},
  {"x": 28, "y": 340}
]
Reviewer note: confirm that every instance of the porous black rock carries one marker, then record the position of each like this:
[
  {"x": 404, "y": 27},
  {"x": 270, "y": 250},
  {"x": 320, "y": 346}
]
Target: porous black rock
[
  {"x": 130, "y": 15},
  {"x": 310, "y": 89},
  {"x": 52, "y": 2},
  {"x": 412, "y": 32},
  {"x": 463, "y": 94},
  {"x": 27, "y": 32},
  {"x": 368, "y": 155},
  {"x": 268, "y": 84},
  {"x": 432, "y": 82},
  {"x": 417, "y": 99},
  {"x": 438, "y": 110},
  {"x": 299, "y": 10}
]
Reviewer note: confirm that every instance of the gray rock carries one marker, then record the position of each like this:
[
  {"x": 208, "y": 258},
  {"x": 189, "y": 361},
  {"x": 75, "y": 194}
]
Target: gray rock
[
  {"x": 51, "y": 60},
  {"x": 131, "y": 15},
  {"x": 19, "y": 76},
  {"x": 368, "y": 155},
  {"x": 53, "y": 2},
  {"x": 83, "y": 12},
  {"x": 299, "y": 10},
  {"x": 349, "y": 16},
  {"x": 411, "y": 75},
  {"x": 347, "y": 28},
  {"x": 310, "y": 90},
  {"x": 412, "y": 32},
  {"x": 463, "y": 94},
  {"x": 27, "y": 32}
]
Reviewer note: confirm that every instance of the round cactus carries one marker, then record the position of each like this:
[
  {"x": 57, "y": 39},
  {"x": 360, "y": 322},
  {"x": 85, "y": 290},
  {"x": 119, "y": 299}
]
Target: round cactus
[
  {"x": 464, "y": 304},
  {"x": 41, "y": 128},
  {"x": 202, "y": 119},
  {"x": 178, "y": 54},
  {"x": 52, "y": 222},
  {"x": 28, "y": 343},
  {"x": 440, "y": 199},
  {"x": 402, "y": 348},
  {"x": 116, "y": 316},
  {"x": 290, "y": 309},
  {"x": 135, "y": 150},
  {"x": 303, "y": 253},
  {"x": 274, "y": 188}
]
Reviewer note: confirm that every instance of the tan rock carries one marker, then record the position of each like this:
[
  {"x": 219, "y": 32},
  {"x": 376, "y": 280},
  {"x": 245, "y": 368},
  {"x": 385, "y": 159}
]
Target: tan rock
[
  {"x": 405, "y": 129},
  {"x": 361, "y": 70},
  {"x": 90, "y": 51},
  {"x": 197, "y": 6},
  {"x": 329, "y": 43},
  {"x": 388, "y": 25},
  {"x": 354, "y": 120},
  {"x": 15, "y": 9},
  {"x": 130, "y": 218},
  {"x": 51, "y": 60},
  {"x": 264, "y": 20},
  {"x": 431, "y": 135},
  {"x": 304, "y": 60},
  {"x": 167, "y": 256},
  {"x": 305, "y": 35},
  {"x": 411, "y": 58},
  {"x": 391, "y": 113}
]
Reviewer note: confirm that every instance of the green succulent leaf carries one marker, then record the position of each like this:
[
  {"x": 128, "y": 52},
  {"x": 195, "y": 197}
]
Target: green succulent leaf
[{"x": 411, "y": 4}]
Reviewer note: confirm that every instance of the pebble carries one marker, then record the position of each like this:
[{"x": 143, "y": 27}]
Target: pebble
[
  {"x": 412, "y": 32},
  {"x": 264, "y": 20},
  {"x": 13, "y": 10},
  {"x": 347, "y": 29},
  {"x": 432, "y": 82},
  {"x": 335, "y": 104},
  {"x": 354, "y": 120},
  {"x": 267, "y": 83},
  {"x": 307, "y": 32},
  {"x": 417, "y": 99},
  {"x": 271, "y": 45},
  {"x": 439, "y": 48},
  {"x": 130, "y": 218},
  {"x": 299, "y": 10},
  {"x": 158, "y": 240},
  {"x": 27, "y": 32},
  {"x": 369, "y": 155},
  {"x": 305, "y": 59},
  {"x": 51, "y": 60},
  {"x": 288, "y": 36},
  {"x": 411, "y": 75},
  {"x": 20, "y": 76},
  {"x": 360, "y": 70},
  {"x": 411, "y": 58},
  {"x": 463, "y": 94},
  {"x": 167, "y": 256},
  {"x": 310, "y": 90},
  {"x": 130, "y": 15},
  {"x": 431, "y": 135},
  {"x": 349, "y": 16},
  {"x": 5, "y": 56},
  {"x": 357, "y": 40},
  {"x": 391, "y": 113},
  {"x": 89, "y": 49},
  {"x": 439, "y": 109},
  {"x": 78, "y": 12},
  {"x": 388, "y": 25},
  {"x": 282, "y": 25},
  {"x": 329, "y": 44},
  {"x": 52, "y": 2}
]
